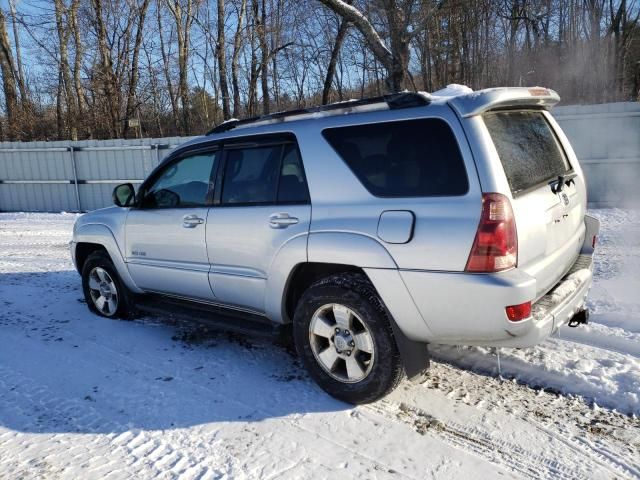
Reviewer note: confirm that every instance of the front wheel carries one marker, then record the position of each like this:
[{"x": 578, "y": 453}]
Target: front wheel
[
  {"x": 343, "y": 335},
  {"x": 104, "y": 292}
]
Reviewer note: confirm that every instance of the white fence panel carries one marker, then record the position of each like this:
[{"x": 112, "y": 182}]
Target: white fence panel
[
  {"x": 606, "y": 139},
  {"x": 74, "y": 176}
]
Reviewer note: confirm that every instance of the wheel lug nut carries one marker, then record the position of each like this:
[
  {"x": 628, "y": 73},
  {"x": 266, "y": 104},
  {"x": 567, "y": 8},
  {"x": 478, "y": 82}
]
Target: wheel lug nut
[
  {"x": 337, "y": 330},
  {"x": 352, "y": 343},
  {"x": 348, "y": 353},
  {"x": 346, "y": 332}
]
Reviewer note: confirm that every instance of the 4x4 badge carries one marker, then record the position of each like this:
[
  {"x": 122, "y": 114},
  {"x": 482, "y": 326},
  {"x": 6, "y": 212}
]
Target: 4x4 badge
[{"x": 565, "y": 198}]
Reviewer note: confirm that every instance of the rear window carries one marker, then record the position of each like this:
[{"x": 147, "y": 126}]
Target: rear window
[
  {"x": 409, "y": 158},
  {"x": 528, "y": 148}
]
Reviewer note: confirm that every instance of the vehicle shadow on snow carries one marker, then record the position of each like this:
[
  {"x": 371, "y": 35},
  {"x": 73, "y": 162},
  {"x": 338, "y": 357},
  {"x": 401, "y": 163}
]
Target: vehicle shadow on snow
[{"x": 64, "y": 369}]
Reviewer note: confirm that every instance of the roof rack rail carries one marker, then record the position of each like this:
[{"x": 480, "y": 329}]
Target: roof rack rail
[{"x": 394, "y": 101}]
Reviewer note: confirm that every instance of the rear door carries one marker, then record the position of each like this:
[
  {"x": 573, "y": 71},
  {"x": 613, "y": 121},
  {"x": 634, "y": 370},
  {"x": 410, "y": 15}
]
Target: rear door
[
  {"x": 549, "y": 198},
  {"x": 263, "y": 203}
]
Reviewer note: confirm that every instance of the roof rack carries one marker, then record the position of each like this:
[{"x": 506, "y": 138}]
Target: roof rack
[{"x": 394, "y": 101}]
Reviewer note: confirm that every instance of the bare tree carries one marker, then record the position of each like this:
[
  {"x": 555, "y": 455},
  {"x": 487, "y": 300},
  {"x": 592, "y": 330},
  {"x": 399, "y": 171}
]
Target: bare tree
[
  {"x": 395, "y": 55},
  {"x": 221, "y": 50},
  {"x": 237, "y": 46},
  {"x": 24, "y": 94},
  {"x": 134, "y": 71},
  {"x": 333, "y": 60},
  {"x": 7, "y": 67},
  {"x": 183, "y": 12}
]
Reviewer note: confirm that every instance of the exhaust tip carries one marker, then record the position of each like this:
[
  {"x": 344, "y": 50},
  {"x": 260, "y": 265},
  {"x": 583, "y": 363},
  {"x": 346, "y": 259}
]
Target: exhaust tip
[{"x": 581, "y": 317}]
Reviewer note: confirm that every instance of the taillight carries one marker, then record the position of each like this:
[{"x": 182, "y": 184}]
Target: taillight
[
  {"x": 516, "y": 313},
  {"x": 495, "y": 247}
]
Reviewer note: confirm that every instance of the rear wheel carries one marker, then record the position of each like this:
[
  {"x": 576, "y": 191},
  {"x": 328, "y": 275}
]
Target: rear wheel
[
  {"x": 104, "y": 292},
  {"x": 343, "y": 334}
]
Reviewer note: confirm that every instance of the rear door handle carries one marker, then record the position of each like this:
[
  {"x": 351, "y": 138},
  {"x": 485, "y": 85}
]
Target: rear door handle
[
  {"x": 192, "y": 221},
  {"x": 281, "y": 220}
]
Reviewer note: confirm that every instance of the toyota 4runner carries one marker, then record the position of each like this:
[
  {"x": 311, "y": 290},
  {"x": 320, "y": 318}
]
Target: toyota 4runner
[{"x": 372, "y": 227}]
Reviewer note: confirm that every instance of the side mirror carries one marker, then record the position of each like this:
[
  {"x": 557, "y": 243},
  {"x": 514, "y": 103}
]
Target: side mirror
[{"x": 124, "y": 195}]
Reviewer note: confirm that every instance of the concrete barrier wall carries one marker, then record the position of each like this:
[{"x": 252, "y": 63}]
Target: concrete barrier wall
[{"x": 80, "y": 176}]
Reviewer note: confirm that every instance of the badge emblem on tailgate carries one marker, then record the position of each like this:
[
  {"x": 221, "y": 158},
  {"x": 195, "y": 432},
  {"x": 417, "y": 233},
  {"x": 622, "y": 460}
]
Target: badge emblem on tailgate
[{"x": 565, "y": 198}]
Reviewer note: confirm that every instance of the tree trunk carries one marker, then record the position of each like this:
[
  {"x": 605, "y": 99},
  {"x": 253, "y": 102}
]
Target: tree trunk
[
  {"x": 63, "y": 67},
  {"x": 183, "y": 19},
  {"x": 264, "y": 62},
  {"x": 134, "y": 74},
  {"x": 106, "y": 71},
  {"x": 9, "y": 82},
  {"x": 253, "y": 71},
  {"x": 167, "y": 74},
  {"x": 221, "y": 50},
  {"x": 335, "y": 52},
  {"x": 77, "y": 65},
  {"x": 24, "y": 94},
  {"x": 237, "y": 46}
]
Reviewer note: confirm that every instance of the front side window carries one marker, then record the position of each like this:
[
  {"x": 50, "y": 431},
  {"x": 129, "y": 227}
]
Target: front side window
[
  {"x": 184, "y": 183},
  {"x": 267, "y": 174},
  {"x": 408, "y": 158}
]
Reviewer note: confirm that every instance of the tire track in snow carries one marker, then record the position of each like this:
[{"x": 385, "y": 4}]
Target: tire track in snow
[
  {"x": 105, "y": 355},
  {"x": 562, "y": 414},
  {"x": 23, "y": 397}
]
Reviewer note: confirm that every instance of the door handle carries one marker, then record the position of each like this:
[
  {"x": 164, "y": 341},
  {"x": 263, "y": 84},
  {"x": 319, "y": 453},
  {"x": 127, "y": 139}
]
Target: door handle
[
  {"x": 281, "y": 220},
  {"x": 192, "y": 221}
]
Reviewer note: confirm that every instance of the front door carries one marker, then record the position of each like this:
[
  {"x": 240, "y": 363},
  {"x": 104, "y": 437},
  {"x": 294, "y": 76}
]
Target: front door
[
  {"x": 165, "y": 236},
  {"x": 264, "y": 203}
]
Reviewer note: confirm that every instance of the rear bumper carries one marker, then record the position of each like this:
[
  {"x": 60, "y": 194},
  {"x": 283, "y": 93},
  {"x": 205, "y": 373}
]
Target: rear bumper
[
  {"x": 556, "y": 308},
  {"x": 469, "y": 309}
]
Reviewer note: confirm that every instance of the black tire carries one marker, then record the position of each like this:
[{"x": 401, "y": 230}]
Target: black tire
[
  {"x": 354, "y": 291},
  {"x": 125, "y": 308}
]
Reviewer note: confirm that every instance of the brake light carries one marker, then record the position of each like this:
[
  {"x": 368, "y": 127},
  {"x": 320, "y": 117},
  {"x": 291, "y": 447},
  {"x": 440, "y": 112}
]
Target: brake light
[
  {"x": 516, "y": 313},
  {"x": 539, "y": 92},
  {"x": 495, "y": 247}
]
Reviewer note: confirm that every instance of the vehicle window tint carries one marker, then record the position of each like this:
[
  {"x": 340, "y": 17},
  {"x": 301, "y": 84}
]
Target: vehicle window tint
[
  {"x": 410, "y": 158},
  {"x": 184, "y": 183},
  {"x": 292, "y": 187},
  {"x": 251, "y": 175},
  {"x": 528, "y": 148}
]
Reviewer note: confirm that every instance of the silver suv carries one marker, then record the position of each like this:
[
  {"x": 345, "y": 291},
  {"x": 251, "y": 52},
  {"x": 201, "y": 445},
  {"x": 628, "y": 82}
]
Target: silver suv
[{"x": 372, "y": 227}]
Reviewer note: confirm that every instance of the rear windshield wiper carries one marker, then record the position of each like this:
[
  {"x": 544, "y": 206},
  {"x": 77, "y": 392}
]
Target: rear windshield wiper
[{"x": 558, "y": 185}]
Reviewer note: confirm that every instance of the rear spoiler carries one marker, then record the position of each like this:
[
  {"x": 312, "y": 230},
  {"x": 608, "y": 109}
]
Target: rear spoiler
[{"x": 482, "y": 101}]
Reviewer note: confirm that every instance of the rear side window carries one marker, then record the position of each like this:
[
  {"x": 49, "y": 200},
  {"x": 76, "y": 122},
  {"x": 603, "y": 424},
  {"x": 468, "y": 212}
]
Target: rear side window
[
  {"x": 270, "y": 174},
  {"x": 409, "y": 158},
  {"x": 251, "y": 175},
  {"x": 293, "y": 186},
  {"x": 529, "y": 150}
]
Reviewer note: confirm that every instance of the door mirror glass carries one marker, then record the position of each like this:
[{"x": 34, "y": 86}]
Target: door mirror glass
[{"x": 124, "y": 195}]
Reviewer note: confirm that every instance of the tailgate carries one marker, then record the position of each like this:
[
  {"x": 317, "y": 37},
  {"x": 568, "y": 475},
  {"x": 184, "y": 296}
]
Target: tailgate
[{"x": 549, "y": 211}]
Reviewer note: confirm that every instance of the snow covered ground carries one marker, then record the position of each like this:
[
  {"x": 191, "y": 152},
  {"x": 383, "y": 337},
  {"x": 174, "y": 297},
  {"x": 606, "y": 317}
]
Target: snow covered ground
[{"x": 86, "y": 397}]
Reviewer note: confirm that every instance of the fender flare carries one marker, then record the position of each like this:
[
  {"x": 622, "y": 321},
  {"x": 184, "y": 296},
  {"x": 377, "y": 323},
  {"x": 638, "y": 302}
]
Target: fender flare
[{"x": 102, "y": 235}]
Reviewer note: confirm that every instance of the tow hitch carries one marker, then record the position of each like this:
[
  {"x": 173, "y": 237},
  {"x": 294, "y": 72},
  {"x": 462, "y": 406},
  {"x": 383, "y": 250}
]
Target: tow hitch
[{"x": 580, "y": 318}]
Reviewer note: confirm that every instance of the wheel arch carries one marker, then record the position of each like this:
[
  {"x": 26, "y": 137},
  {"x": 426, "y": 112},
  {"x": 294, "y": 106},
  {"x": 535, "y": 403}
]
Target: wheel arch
[{"x": 94, "y": 237}]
